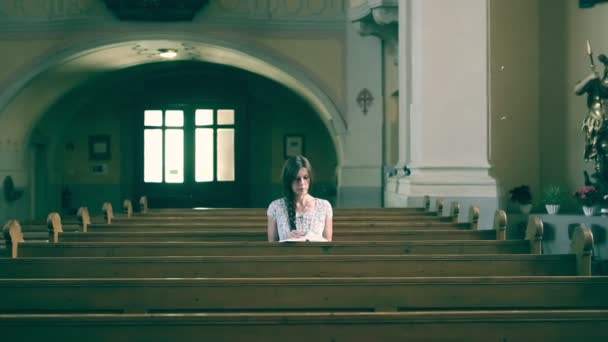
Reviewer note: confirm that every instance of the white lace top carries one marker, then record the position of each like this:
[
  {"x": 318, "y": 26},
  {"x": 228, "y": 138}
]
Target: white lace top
[{"x": 311, "y": 222}]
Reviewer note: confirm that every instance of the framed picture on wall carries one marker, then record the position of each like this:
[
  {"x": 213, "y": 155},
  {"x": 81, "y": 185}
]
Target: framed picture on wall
[
  {"x": 293, "y": 145},
  {"x": 99, "y": 147}
]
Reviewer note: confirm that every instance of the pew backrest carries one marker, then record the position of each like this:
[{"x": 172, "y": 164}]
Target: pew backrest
[
  {"x": 84, "y": 219},
  {"x": 143, "y": 204},
  {"x": 127, "y": 207},
  {"x": 534, "y": 234},
  {"x": 54, "y": 226},
  {"x": 500, "y": 224},
  {"x": 582, "y": 246},
  {"x": 13, "y": 236},
  {"x": 108, "y": 212}
]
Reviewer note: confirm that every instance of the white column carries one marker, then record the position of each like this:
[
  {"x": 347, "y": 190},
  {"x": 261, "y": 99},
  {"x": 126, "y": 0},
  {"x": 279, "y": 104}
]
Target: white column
[
  {"x": 361, "y": 171},
  {"x": 448, "y": 120},
  {"x": 404, "y": 83},
  {"x": 391, "y": 190}
]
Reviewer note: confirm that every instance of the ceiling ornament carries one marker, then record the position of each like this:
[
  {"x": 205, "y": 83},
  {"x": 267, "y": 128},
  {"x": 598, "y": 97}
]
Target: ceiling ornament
[{"x": 155, "y": 10}]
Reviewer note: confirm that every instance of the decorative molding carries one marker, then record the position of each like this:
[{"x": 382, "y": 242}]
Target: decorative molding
[
  {"x": 386, "y": 15},
  {"x": 70, "y": 15},
  {"x": 151, "y": 50},
  {"x": 589, "y": 3},
  {"x": 378, "y": 18},
  {"x": 155, "y": 10},
  {"x": 316, "y": 9}
]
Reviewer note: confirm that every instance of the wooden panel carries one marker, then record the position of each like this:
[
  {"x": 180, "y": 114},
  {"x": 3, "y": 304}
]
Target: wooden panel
[
  {"x": 288, "y": 266},
  {"x": 245, "y": 226},
  {"x": 474, "y": 326},
  {"x": 339, "y": 235},
  {"x": 107, "y": 249},
  {"x": 305, "y": 294}
]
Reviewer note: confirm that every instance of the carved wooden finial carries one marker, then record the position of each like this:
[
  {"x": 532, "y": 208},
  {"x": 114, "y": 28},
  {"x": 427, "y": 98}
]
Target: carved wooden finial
[
  {"x": 13, "y": 235},
  {"x": 455, "y": 211},
  {"x": 534, "y": 233},
  {"x": 127, "y": 207},
  {"x": 53, "y": 224},
  {"x": 426, "y": 203},
  {"x": 500, "y": 225},
  {"x": 108, "y": 212},
  {"x": 582, "y": 246},
  {"x": 143, "y": 204},
  {"x": 84, "y": 219},
  {"x": 439, "y": 206},
  {"x": 474, "y": 217}
]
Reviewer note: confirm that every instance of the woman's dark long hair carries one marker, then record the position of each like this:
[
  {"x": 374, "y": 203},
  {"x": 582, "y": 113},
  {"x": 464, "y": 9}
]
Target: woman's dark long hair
[{"x": 290, "y": 171}]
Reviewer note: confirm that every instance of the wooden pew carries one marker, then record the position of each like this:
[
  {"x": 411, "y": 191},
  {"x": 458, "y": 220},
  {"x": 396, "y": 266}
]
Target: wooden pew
[
  {"x": 309, "y": 265},
  {"x": 122, "y": 249},
  {"x": 261, "y": 212},
  {"x": 248, "y": 226},
  {"x": 131, "y": 295},
  {"x": 201, "y": 212},
  {"x": 360, "y": 235},
  {"x": 364, "y": 221},
  {"x": 288, "y": 266},
  {"x": 127, "y": 207},
  {"x": 264, "y": 218},
  {"x": 491, "y": 324},
  {"x": 259, "y": 235},
  {"x": 108, "y": 212},
  {"x": 143, "y": 204},
  {"x": 83, "y": 222},
  {"x": 428, "y": 326}
]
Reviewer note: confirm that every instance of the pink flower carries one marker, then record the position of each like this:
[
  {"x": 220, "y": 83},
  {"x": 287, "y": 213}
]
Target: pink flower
[{"x": 587, "y": 195}]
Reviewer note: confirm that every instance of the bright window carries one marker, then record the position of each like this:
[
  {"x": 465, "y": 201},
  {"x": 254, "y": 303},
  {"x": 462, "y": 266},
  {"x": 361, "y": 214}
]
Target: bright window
[{"x": 213, "y": 152}]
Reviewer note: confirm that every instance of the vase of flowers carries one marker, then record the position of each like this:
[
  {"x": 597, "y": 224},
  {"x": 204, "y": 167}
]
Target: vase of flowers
[
  {"x": 588, "y": 197},
  {"x": 522, "y": 196}
]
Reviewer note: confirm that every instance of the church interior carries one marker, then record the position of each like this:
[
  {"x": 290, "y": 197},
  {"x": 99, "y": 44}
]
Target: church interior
[{"x": 141, "y": 142}]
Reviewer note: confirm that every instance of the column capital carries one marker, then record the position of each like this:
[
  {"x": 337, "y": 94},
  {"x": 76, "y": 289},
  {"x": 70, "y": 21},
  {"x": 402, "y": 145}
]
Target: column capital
[{"x": 378, "y": 18}]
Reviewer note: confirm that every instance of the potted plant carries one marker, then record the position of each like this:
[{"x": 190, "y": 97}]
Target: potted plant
[
  {"x": 522, "y": 196},
  {"x": 552, "y": 197},
  {"x": 588, "y": 197}
]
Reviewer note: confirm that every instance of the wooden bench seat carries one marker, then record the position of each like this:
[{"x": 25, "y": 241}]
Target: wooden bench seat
[
  {"x": 428, "y": 326},
  {"x": 33, "y": 230},
  {"x": 36, "y": 236},
  {"x": 302, "y": 294},
  {"x": 263, "y": 211},
  {"x": 288, "y": 266},
  {"x": 39, "y": 228},
  {"x": 107, "y": 249},
  {"x": 260, "y": 235},
  {"x": 122, "y": 226},
  {"x": 264, "y": 218}
]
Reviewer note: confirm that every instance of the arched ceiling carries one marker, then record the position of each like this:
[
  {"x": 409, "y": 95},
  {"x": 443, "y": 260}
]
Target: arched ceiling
[{"x": 22, "y": 104}]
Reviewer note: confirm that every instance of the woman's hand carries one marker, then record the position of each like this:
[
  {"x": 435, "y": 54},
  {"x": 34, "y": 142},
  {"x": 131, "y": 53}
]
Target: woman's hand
[{"x": 295, "y": 234}]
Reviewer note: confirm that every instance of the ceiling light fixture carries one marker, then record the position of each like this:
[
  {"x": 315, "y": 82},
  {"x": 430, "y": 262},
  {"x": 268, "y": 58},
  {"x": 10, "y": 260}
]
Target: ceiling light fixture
[{"x": 167, "y": 53}]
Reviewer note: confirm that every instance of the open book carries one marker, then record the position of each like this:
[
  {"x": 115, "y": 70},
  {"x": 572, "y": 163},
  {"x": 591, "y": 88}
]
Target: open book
[{"x": 308, "y": 237}]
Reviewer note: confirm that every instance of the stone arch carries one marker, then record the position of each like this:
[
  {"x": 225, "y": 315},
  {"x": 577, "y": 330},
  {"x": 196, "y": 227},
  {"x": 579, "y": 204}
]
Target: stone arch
[{"x": 216, "y": 51}]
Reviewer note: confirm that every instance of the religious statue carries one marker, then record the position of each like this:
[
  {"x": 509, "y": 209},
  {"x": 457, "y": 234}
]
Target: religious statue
[{"x": 595, "y": 123}]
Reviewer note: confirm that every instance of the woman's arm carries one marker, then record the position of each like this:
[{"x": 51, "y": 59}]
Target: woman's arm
[
  {"x": 272, "y": 230},
  {"x": 328, "y": 231}
]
